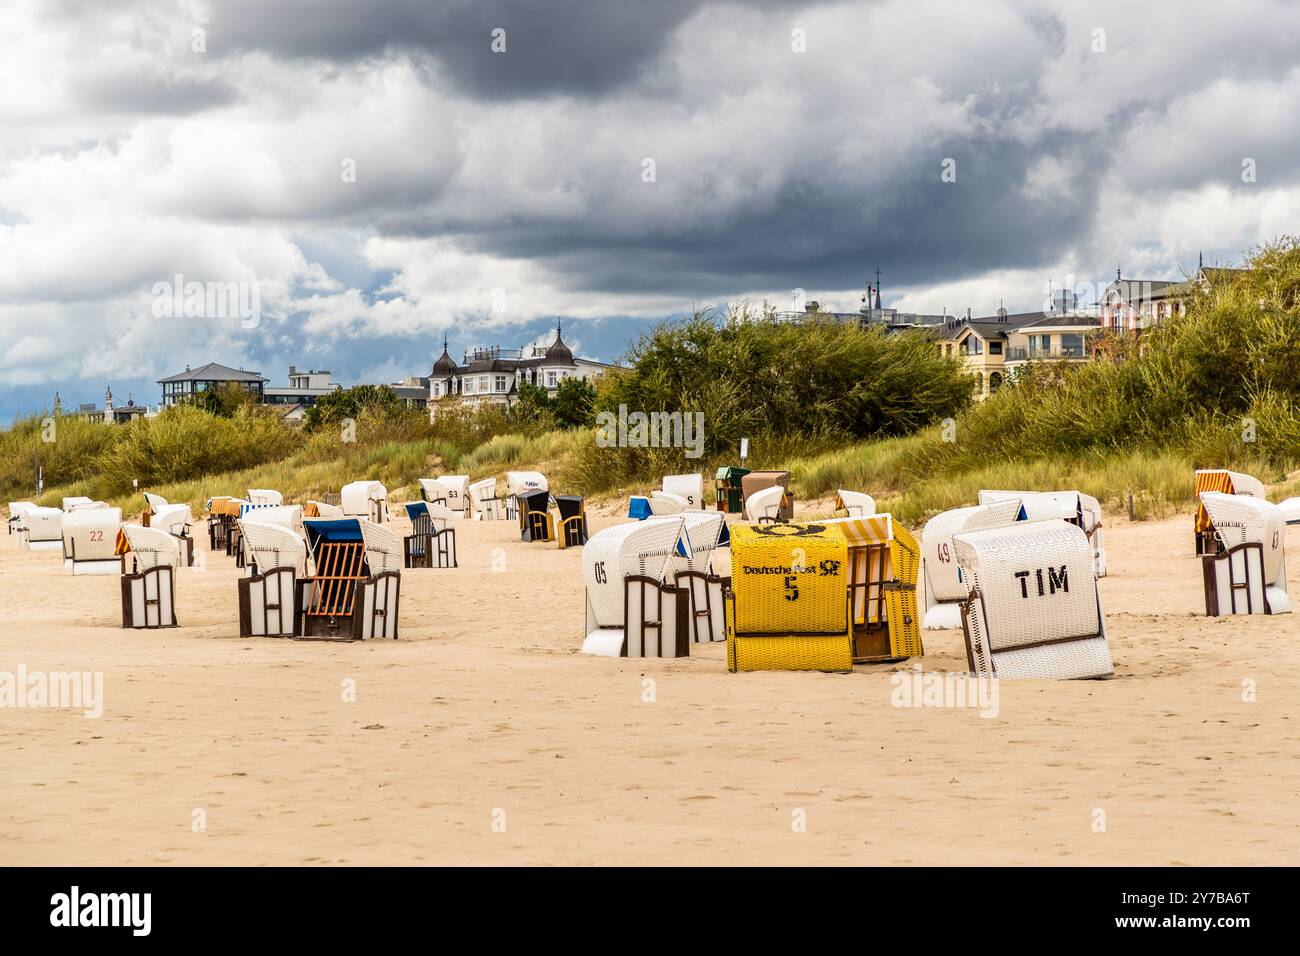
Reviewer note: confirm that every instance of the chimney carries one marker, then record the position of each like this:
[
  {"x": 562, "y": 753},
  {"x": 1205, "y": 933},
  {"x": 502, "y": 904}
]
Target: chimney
[{"x": 293, "y": 370}]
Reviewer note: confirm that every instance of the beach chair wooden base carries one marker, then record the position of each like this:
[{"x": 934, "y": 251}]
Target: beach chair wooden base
[
  {"x": 218, "y": 532},
  {"x": 706, "y": 606},
  {"x": 1234, "y": 581},
  {"x": 536, "y": 526},
  {"x": 1207, "y": 543},
  {"x": 149, "y": 598},
  {"x": 267, "y": 604},
  {"x": 358, "y": 609},
  {"x": 655, "y": 618},
  {"x": 573, "y": 532},
  {"x": 430, "y": 549},
  {"x": 492, "y": 509}
]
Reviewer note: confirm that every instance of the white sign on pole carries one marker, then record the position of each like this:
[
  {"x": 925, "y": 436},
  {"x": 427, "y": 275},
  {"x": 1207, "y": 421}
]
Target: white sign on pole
[{"x": 744, "y": 448}]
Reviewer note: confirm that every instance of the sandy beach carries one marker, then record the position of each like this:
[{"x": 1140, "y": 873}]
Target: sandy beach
[{"x": 483, "y": 736}]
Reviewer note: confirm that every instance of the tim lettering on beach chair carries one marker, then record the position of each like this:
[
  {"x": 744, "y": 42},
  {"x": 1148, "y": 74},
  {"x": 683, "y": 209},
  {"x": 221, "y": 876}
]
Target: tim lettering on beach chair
[{"x": 1032, "y": 609}]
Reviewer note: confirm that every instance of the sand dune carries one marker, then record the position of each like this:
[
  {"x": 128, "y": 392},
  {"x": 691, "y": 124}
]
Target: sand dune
[{"x": 484, "y": 712}]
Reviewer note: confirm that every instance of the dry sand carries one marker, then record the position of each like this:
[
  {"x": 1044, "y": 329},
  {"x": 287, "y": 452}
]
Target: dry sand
[{"x": 485, "y": 705}]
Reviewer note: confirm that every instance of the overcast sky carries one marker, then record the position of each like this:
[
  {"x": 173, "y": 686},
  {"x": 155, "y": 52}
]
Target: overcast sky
[{"x": 793, "y": 145}]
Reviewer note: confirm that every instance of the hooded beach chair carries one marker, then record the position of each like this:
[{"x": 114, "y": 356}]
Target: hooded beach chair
[
  {"x": 1224, "y": 482},
  {"x": 667, "y": 503},
  {"x": 766, "y": 505},
  {"x": 90, "y": 540},
  {"x": 353, "y": 591},
  {"x": 223, "y": 513},
  {"x": 789, "y": 599},
  {"x": 17, "y": 513},
  {"x": 42, "y": 529},
  {"x": 322, "y": 509},
  {"x": 758, "y": 482},
  {"x": 152, "y": 503},
  {"x": 520, "y": 483},
  {"x": 457, "y": 493},
  {"x": 632, "y": 610},
  {"x": 264, "y": 496},
  {"x": 149, "y": 591},
  {"x": 432, "y": 542},
  {"x": 706, "y": 533},
  {"x": 945, "y": 589},
  {"x": 365, "y": 499},
  {"x": 854, "y": 504},
  {"x": 1032, "y": 609},
  {"x": 688, "y": 487},
  {"x": 483, "y": 499},
  {"x": 535, "y": 521},
  {"x": 1290, "y": 510},
  {"x": 1072, "y": 506},
  {"x": 572, "y": 532},
  {"x": 730, "y": 496},
  {"x": 1245, "y": 573},
  {"x": 884, "y": 561},
  {"x": 275, "y": 558},
  {"x": 80, "y": 501}
]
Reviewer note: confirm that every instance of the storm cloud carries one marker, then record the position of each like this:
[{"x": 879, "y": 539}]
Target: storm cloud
[{"x": 386, "y": 172}]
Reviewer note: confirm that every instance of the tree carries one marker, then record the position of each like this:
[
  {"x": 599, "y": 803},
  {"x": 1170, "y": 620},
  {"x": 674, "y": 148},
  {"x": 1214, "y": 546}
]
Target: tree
[
  {"x": 350, "y": 402},
  {"x": 574, "y": 403}
]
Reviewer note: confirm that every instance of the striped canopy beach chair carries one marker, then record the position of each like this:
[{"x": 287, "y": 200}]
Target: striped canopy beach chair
[
  {"x": 883, "y": 564},
  {"x": 353, "y": 591},
  {"x": 1033, "y": 609},
  {"x": 432, "y": 541},
  {"x": 149, "y": 591},
  {"x": 1224, "y": 482},
  {"x": 632, "y": 610},
  {"x": 1245, "y": 573},
  {"x": 945, "y": 588}
]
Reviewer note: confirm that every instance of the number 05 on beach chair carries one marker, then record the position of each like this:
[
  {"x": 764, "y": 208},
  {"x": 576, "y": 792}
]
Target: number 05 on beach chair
[
  {"x": 353, "y": 594},
  {"x": 789, "y": 599},
  {"x": 1033, "y": 609}
]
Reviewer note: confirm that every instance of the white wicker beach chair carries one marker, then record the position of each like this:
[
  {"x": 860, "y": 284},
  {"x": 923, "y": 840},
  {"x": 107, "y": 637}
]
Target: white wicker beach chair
[
  {"x": 1290, "y": 510},
  {"x": 665, "y": 503},
  {"x": 458, "y": 499},
  {"x": 1033, "y": 609},
  {"x": 365, "y": 499},
  {"x": 285, "y": 516},
  {"x": 324, "y": 509},
  {"x": 1072, "y": 506},
  {"x": 483, "y": 498},
  {"x": 174, "y": 519},
  {"x": 264, "y": 496},
  {"x": 275, "y": 557},
  {"x": 706, "y": 534},
  {"x": 17, "y": 515},
  {"x": 688, "y": 487},
  {"x": 77, "y": 501},
  {"x": 90, "y": 540},
  {"x": 432, "y": 541},
  {"x": 765, "y": 505},
  {"x": 855, "y": 504},
  {"x": 631, "y": 611},
  {"x": 353, "y": 591},
  {"x": 149, "y": 593},
  {"x": 520, "y": 483},
  {"x": 42, "y": 529},
  {"x": 269, "y": 546},
  {"x": 944, "y": 588},
  {"x": 1248, "y": 574}
]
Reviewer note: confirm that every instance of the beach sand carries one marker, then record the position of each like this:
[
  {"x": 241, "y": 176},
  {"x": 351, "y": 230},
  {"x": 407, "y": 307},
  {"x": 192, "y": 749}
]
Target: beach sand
[{"x": 483, "y": 736}]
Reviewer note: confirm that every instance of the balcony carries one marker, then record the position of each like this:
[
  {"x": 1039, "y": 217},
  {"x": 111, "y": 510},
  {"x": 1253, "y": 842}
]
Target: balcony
[{"x": 1036, "y": 353}]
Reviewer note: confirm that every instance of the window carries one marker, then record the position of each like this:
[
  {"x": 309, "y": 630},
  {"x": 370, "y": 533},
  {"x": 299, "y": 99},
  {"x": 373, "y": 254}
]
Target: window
[
  {"x": 550, "y": 380},
  {"x": 995, "y": 348},
  {"x": 501, "y": 383}
]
